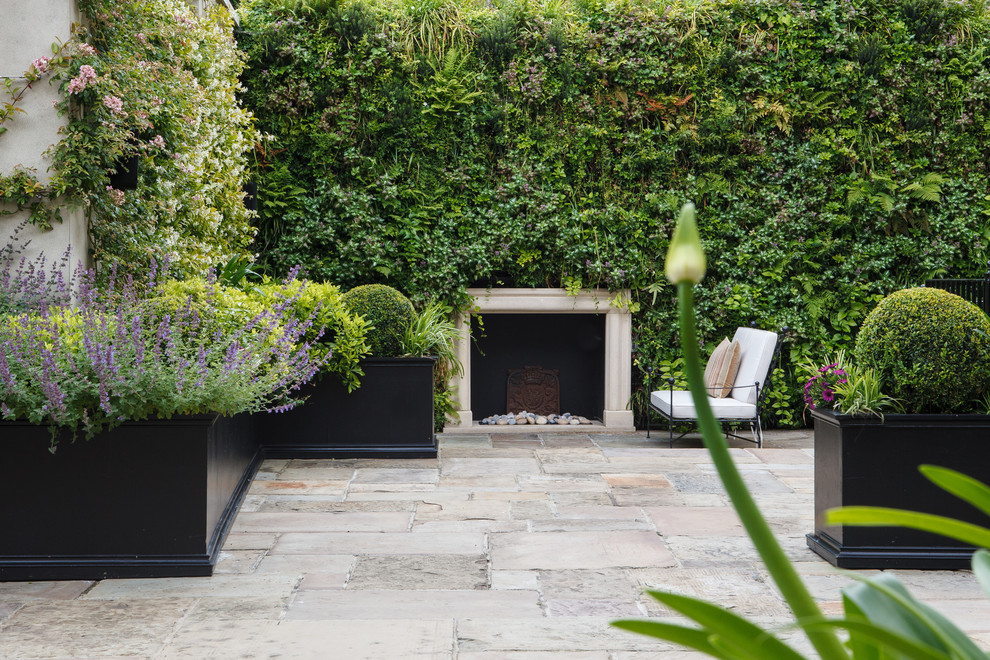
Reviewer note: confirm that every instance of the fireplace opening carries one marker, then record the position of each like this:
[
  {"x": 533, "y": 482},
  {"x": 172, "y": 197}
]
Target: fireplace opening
[{"x": 573, "y": 345}]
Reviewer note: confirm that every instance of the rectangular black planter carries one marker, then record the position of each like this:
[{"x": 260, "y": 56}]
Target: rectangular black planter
[
  {"x": 148, "y": 499},
  {"x": 866, "y": 461},
  {"x": 391, "y": 414}
]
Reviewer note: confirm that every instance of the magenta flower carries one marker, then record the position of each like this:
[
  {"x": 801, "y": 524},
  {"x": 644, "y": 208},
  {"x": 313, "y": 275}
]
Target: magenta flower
[{"x": 819, "y": 391}]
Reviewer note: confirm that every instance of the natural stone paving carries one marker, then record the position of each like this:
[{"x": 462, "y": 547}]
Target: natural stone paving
[{"x": 507, "y": 547}]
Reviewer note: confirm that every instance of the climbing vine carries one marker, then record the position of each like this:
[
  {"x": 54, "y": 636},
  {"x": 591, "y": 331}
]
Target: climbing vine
[{"x": 151, "y": 81}]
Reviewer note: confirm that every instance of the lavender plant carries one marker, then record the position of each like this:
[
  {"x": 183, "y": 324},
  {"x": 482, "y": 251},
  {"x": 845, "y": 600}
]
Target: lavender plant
[
  {"x": 116, "y": 357},
  {"x": 31, "y": 284}
]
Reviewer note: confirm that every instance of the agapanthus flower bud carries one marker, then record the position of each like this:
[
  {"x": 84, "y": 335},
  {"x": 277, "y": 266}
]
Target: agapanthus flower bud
[{"x": 685, "y": 258}]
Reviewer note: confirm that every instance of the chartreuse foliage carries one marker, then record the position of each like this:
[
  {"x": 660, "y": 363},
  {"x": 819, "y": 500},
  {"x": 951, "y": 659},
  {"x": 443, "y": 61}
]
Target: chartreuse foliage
[
  {"x": 152, "y": 80},
  {"x": 881, "y": 618},
  {"x": 341, "y": 333},
  {"x": 836, "y": 151},
  {"x": 335, "y": 336}
]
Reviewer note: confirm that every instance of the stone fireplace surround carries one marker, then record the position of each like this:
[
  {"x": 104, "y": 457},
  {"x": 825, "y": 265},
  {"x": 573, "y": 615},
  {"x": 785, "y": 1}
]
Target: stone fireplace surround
[{"x": 618, "y": 348}]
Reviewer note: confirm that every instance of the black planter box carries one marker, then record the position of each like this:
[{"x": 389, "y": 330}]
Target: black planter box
[
  {"x": 866, "y": 461},
  {"x": 147, "y": 499},
  {"x": 391, "y": 414}
]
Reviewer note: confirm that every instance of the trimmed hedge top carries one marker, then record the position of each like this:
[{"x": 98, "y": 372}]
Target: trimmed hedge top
[
  {"x": 931, "y": 350},
  {"x": 388, "y": 310}
]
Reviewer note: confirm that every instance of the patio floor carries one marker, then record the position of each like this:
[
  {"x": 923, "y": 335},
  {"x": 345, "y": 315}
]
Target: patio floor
[{"x": 512, "y": 546}]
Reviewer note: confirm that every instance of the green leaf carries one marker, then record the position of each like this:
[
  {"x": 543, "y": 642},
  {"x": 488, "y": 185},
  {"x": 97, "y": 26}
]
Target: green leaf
[
  {"x": 693, "y": 638},
  {"x": 870, "y": 638},
  {"x": 745, "y": 637},
  {"x": 885, "y": 602},
  {"x": 961, "y": 485},
  {"x": 865, "y": 516},
  {"x": 981, "y": 568}
]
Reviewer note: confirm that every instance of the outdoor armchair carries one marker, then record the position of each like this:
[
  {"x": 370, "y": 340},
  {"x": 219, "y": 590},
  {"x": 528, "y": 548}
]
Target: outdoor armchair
[{"x": 758, "y": 353}]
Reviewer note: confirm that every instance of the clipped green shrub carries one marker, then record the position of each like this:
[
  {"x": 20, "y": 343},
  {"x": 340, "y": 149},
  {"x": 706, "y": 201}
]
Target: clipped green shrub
[
  {"x": 930, "y": 348},
  {"x": 387, "y": 310}
]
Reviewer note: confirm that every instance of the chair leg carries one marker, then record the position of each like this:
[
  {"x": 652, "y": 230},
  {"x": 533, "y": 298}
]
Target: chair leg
[
  {"x": 757, "y": 429},
  {"x": 670, "y": 428}
]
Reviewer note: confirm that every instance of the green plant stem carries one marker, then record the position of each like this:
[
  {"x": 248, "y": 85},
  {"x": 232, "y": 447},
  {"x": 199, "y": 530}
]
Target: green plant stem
[{"x": 779, "y": 566}]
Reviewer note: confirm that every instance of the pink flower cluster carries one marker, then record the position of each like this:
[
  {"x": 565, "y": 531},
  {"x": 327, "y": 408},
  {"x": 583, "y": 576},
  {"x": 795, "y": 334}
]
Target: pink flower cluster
[
  {"x": 116, "y": 196},
  {"x": 41, "y": 64},
  {"x": 115, "y": 105},
  {"x": 158, "y": 141},
  {"x": 87, "y": 74},
  {"x": 86, "y": 49}
]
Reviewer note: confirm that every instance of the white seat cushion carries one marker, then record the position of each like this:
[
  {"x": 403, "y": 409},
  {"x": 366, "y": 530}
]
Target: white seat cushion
[{"x": 679, "y": 405}]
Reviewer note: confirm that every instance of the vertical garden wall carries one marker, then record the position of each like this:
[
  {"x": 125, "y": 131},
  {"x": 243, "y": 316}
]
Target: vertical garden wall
[{"x": 836, "y": 150}]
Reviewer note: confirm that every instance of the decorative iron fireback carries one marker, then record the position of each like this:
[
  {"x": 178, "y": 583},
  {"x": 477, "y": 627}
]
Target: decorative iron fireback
[{"x": 533, "y": 389}]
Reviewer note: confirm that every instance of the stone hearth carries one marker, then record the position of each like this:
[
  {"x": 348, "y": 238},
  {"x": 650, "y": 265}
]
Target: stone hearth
[{"x": 616, "y": 415}]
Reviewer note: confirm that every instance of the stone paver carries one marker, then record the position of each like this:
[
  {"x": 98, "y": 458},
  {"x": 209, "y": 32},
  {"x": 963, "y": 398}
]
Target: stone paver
[
  {"x": 389, "y": 604},
  {"x": 316, "y": 640},
  {"x": 420, "y": 572},
  {"x": 563, "y": 634},
  {"x": 747, "y": 594},
  {"x": 563, "y": 550},
  {"x": 514, "y": 546},
  {"x": 30, "y": 591},
  {"x": 696, "y": 521},
  {"x": 369, "y": 543},
  {"x": 322, "y": 522},
  {"x": 88, "y": 628}
]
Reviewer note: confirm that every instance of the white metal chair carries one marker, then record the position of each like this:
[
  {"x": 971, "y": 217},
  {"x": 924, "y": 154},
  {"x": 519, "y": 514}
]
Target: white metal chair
[{"x": 758, "y": 356}]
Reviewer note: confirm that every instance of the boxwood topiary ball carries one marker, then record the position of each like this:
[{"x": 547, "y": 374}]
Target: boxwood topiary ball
[
  {"x": 931, "y": 350},
  {"x": 385, "y": 308}
]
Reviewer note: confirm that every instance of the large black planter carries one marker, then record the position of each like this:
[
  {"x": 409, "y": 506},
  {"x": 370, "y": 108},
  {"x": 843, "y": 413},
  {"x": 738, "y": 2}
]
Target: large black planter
[
  {"x": 866, "y": 461},
  {"x": 147, "y": 499},
  {"x": 391, "y": 414}
]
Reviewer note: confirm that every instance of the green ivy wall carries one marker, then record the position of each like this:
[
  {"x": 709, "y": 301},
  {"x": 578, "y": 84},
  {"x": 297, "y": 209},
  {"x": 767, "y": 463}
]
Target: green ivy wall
[{"x": 836, "y": 151}]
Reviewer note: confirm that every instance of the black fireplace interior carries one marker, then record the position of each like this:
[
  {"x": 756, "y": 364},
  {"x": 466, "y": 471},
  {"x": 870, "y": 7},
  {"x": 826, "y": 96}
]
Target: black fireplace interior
[{"x": 573, "y": 344}]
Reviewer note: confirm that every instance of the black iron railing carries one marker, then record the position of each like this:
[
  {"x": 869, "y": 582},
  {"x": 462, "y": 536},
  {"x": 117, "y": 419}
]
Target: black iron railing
[{"x": 976, "y": 291}]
